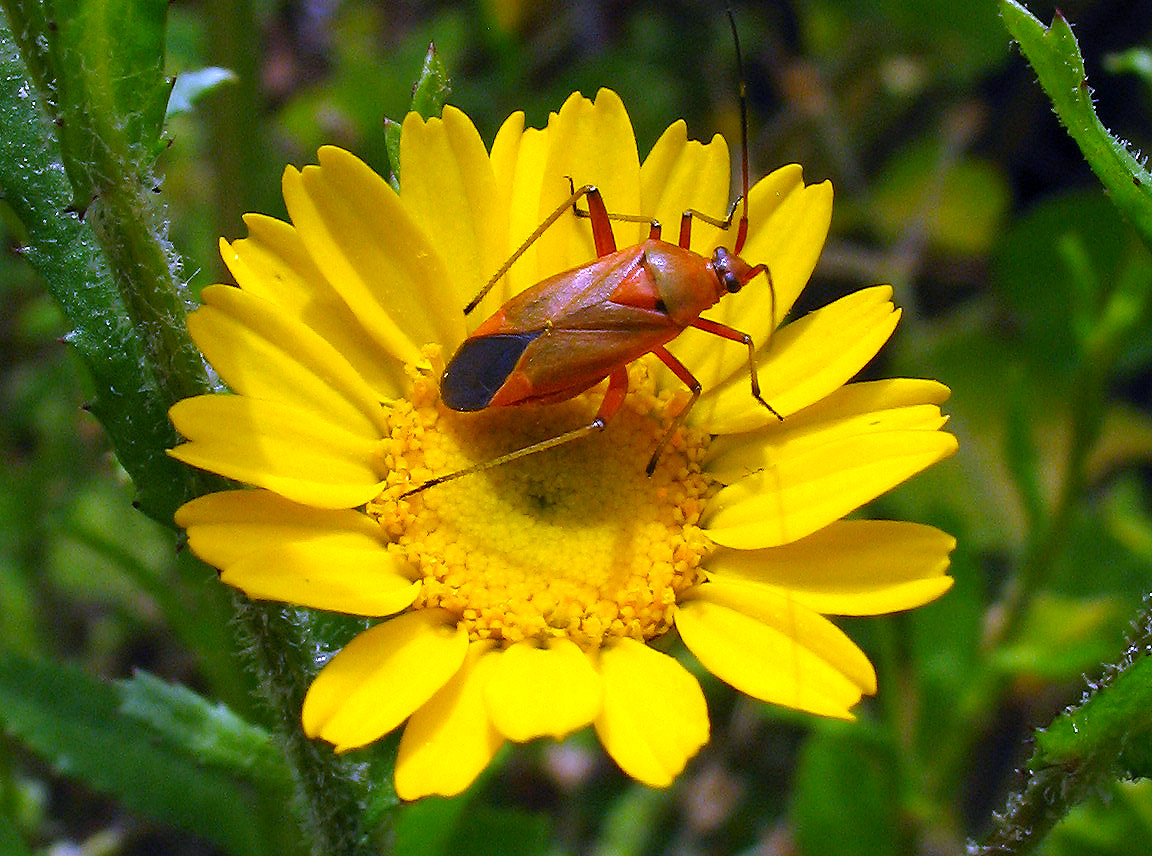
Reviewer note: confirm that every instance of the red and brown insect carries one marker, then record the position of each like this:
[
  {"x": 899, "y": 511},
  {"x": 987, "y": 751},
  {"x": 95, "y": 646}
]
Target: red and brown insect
[{"x": 569, "y": 332}]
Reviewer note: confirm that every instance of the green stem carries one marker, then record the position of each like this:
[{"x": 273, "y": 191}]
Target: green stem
[
  {"x": 342, "y": 800},
  {"x": 1055, "y": 57},
  {"x": 133, "y": 236}
]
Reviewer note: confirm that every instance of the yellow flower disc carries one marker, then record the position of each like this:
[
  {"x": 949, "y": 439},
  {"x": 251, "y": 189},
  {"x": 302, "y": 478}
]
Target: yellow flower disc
[{"x": 575, "y": 542}]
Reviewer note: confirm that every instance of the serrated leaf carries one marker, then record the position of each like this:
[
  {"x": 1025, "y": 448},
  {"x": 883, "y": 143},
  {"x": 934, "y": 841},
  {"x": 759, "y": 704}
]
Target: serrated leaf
[
  {"x": 1055, "y": 57},
  {"x": 430, "y": 92},
  {"x": 75, "y": 723},
  {"x": 392, "y": 147}
]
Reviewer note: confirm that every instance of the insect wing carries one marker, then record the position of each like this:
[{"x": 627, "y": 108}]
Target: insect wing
[{"x": 481, "y": 367}]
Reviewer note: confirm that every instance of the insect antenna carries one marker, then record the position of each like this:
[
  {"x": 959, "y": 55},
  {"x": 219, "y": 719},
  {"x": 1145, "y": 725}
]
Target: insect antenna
[{"x": 742, "y": 230}]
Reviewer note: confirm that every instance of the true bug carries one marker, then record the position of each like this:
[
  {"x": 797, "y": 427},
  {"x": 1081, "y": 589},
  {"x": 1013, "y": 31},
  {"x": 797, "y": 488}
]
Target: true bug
[{"x": 569, "y": 332}]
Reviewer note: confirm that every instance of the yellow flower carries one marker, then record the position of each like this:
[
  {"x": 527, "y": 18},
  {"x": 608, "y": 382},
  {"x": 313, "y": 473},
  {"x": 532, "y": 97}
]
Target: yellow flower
[{"x": 518, "y": 602}]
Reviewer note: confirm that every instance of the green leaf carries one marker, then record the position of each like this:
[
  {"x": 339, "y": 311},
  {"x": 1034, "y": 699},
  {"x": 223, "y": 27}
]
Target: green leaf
[
  {"x": 1020, "y": 452},
  {"x": 425, "y": 828},
  {"x": 491, "y": 831},
  {"x": 842, "y": 803},
  {"x": 1055, "y": 57},
  {"x": 210, "y": 733},
  {"x": 1111, "y": 823},
  {"x": 76, "y": 723},
  {"x": 1079, "y": 247},
  {"x": 959, "y": 204},
  {"x": 429, "y": 94},
  {"x": 1060, "y": 638},
  {"x": 11, "y": 844},
  {"x": 1136, "y": 61},
  {"x": 439, "y": 827}
]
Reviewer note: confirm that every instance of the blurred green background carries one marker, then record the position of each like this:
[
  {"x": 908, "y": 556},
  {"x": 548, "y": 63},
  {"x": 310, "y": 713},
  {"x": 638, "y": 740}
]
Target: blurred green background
[{"x": 954, "y": 181}]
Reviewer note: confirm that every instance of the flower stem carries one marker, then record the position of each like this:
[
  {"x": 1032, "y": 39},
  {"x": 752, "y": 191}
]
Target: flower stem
[{"x": 342, "y": 801}]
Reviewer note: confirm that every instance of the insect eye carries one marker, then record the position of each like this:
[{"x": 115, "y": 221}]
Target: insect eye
[{"x": 722, "y": 265}]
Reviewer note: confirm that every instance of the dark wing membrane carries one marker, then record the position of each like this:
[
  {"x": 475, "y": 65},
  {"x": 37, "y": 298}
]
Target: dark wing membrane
[{"x": 480, "y": 367}]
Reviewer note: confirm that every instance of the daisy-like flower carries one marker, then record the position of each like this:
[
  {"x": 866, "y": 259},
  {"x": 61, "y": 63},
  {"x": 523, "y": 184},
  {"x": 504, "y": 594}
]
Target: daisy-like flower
[{"x": 523, "y": 601}]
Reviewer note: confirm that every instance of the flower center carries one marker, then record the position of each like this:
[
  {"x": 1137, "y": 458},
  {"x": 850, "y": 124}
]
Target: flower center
[{"x": 576, "y": 541}]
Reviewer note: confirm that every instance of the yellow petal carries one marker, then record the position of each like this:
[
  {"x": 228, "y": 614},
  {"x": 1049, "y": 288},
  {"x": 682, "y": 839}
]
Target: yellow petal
[
  {"x": 382, "y": 676},
  {"x": 227, "y": 526},
  {"x": 272, "y": 263},
  {"x": 447, "y": 182},
  {"x": 807, "y": 360},
  {"x": 789, "y": 222},
  {"x": 850, "y": 411},
  {"x": 326, "y": 573},
  {"x": 507, "y": 160},
  {"x": 382, "y": 263},
  {"x": 654, "y": 717},
  {"x": 506, "y": 154},
  {"x": 852, "y": 567},
  {"x": 680, "y": 174},
  {"x": 774, "y": 649},
  {"x": 262, "y": 352},
  {"x": 789, "y": 240},
  {"x": 296, "y": 453},
  {"x": 450, "y": 740},
  {"x": 592, "y": 143},
  {"x": 801, "y": 493},
  {"x": 524, "y": 215},
  {"x": 538, "y": 692}
]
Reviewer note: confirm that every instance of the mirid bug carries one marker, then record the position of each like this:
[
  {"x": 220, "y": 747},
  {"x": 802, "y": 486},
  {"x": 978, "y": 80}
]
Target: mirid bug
[{"x": 573, "y": 330}]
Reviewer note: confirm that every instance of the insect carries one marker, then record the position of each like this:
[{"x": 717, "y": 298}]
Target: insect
[{"x": 569, "y": 332}]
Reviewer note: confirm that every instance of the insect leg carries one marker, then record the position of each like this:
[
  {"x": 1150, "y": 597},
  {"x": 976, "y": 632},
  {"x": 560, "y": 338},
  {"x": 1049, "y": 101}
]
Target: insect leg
[
  {"x": 594, "y": 203},
  {"x": 686, "y": 222},
  {"x": 613, "y": 398},
  {"x": 726, "y": 332},
  {"x": 689, "y": 380},
  {"x": 653, "y": 225}
]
